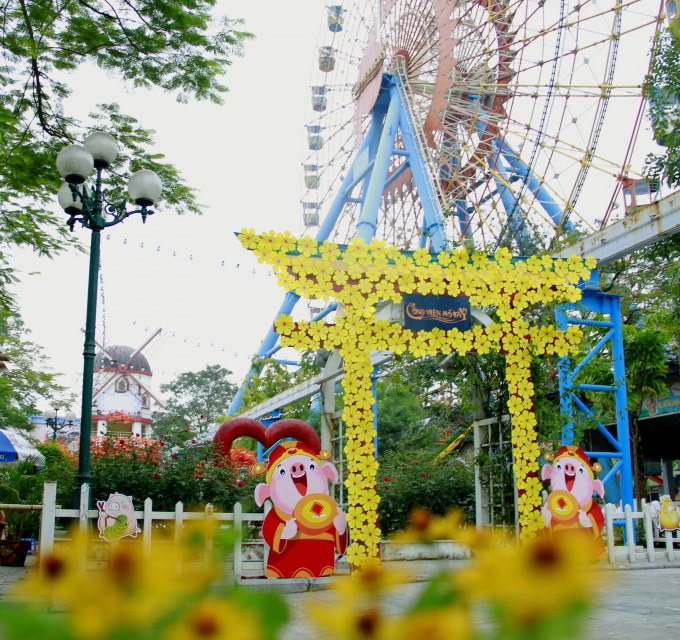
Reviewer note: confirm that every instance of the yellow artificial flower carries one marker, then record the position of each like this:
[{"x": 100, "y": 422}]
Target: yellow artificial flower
[
  {"x": 318, "y": 330},
  {"x": 353, "y": 450},
  {"x": 422, "y": 256},
  {"x": 284, "y": 325},
  {"x": 444, "y": 259},
  {"x": 371, "y": 533},
  {"x": 398, "y": 344},
  {"x": 340, "y": 278},
  {"x": 356, "y": 554},
  {"x": 355, "y": 483},
  {"x": 307, "y": 246},
  {"x": 364, "y": 399},
  {"x": 367, "y": 466},
  {"x": 438, "y": 339},
  {"x": 424, "y": 287},
  {"x": 329, "y": 251},
  {"x": 406, "y": 284},
  {"x": 280, "y": 262},
  {"x": 271, "y": 240},
  {"x": 372, "y": 499},
  {"x": 248, "y": 238},
  {"x": 591, "y": 263},
  {"x": 300, "y": 341},
  {"x": 306, "y": 289},
  {"x": 288, "y": 243}
]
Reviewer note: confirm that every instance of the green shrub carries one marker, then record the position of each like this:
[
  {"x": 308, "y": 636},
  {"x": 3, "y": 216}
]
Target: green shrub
[
  {"x": 407, "y": 480},
  {"x": 168, "y": 470}
]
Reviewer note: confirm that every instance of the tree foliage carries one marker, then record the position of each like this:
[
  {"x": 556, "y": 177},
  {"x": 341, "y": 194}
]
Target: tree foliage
[
  {"x": 29, "y": 379},
  {"x": 196, "y": 401},
  {"x": 175, "y": 45},
  {"x": 662, "y": 88},
  {"x": 271, "y": 378}
]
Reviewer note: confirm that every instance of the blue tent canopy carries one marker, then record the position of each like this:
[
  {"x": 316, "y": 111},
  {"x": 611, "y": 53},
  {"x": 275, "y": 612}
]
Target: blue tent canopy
[{"x": 16, "y": 447}]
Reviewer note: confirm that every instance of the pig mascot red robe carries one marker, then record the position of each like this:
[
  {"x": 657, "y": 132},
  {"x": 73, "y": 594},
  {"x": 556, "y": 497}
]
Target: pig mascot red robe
[
  {"x": 305, "y": 528},
  {"x": 570, "y": 508}
]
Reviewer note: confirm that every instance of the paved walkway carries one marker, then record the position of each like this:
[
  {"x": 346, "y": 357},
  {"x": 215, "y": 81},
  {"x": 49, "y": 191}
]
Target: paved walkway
[{"x": 637, "y": 605}]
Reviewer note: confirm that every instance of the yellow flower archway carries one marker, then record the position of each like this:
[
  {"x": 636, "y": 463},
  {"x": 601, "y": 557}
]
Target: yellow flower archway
[{"x": 358, "y": 276}]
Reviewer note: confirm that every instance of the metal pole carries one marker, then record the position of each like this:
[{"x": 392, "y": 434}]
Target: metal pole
[
  {"x": 84, "y": 476},
  {"x": 566, "y": 383},
  {"x": 621, "y": 403},
  {"x": 369, "y": 211}
]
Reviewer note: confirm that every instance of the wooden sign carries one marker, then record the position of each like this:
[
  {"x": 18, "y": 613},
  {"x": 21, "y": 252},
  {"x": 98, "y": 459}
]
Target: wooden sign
[{"x": 425, "y": 312}]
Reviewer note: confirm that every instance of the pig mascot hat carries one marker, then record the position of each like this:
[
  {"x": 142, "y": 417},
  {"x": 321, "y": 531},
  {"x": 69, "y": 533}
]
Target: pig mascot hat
[
  {"x": 305, "y": 528},
  {"x": 570, "y": 508}
]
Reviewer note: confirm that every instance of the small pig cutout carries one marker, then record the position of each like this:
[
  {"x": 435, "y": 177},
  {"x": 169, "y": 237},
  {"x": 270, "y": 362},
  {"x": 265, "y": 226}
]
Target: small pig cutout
[
  {"x": 117, "y": 518},
  {"x": 570, "y": 506},
  {"x": 305, "y": 528},
  {"x": 668, "y": 515}
]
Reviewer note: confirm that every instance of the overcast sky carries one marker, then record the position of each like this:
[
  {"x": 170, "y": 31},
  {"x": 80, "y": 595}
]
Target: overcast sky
[{"x": 244, "y": 158}]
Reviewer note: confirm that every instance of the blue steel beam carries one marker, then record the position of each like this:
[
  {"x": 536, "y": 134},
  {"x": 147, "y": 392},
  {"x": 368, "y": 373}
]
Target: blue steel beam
[
  {"x": 509, "y": 200},
  {"x": 268, "y": 345},
  {"x": 433, "y": 220},
  {"x": 608, "y": 304},
  {"x": 376, "y": 186},
  {"x": 370, "y": 164},
  {"x": 535, "y": 185}
]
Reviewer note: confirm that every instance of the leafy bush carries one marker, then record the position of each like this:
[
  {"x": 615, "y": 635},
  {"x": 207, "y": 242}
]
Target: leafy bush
[
  {"x": 407, "y": 480},
  {"x": 169, "y": 470},
  {"x": 19, "y": 484},
  {"x": 61, "y": 466}
]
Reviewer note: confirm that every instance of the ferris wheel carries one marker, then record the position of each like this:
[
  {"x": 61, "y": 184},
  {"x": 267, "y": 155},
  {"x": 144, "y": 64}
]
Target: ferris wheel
[
  {"x": 524, "y": 115},
  {"x": 435, "y": 123}
]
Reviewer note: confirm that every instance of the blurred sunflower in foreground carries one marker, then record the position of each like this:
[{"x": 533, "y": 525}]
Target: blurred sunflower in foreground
[{"x": 178, "y": 592}]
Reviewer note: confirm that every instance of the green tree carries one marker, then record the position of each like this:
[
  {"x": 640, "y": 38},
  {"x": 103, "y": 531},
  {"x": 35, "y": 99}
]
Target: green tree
[
  {"x": 272, "y": 377},
  {"x": 646, "y": 369},
  {"x": 662, "y": 88},
  {"x": 29, "y": 380},
  {"x": 175, "y": 45},
  {"x": 400, "y": 414},
  {"x": 196, "y": 401}
]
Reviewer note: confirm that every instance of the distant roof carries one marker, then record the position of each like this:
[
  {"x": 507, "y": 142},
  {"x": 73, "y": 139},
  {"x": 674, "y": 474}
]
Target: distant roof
[{"x": 121, "y": 355}]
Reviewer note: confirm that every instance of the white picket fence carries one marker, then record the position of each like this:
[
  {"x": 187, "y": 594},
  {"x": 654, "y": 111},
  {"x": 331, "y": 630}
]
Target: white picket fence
[
  {"x": 630, "y": 552},
  {"x": 255, "y": 551}
]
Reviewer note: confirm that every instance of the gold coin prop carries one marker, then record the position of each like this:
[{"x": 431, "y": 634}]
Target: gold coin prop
[
  {"x": 315, "y": 513},
  {"x": 563, "y": 506}
]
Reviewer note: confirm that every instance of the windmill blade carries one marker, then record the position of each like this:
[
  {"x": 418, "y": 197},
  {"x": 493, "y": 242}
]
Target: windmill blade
[
  {"x": 158, "y": 402},
  {"x": 106, "y": 384},
  {"x": 144, "y": 345}
]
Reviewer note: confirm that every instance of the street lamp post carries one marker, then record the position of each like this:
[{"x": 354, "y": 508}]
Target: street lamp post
[
  {"x": 75, "y": 163},
  {"x": 50, "y": 416}
]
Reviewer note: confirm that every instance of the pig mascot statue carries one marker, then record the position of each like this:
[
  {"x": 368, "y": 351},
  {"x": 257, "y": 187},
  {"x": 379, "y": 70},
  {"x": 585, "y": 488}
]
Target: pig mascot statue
[
  {"x": 305, "y": 528},
  {"x": 570, "y": 508}
]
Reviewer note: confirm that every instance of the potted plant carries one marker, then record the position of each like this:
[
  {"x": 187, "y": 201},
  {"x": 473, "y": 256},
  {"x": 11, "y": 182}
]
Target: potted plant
[{"x": 19, "y": 484}]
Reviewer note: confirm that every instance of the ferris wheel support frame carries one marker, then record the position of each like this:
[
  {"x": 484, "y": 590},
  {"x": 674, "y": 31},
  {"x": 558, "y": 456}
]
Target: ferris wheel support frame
[
  {"x": 370, "y": 165},
  {"x": 605, "y": 304}
]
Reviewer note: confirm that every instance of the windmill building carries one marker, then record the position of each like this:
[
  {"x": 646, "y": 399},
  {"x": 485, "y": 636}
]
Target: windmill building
[{"x": 123, "y": 384}]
